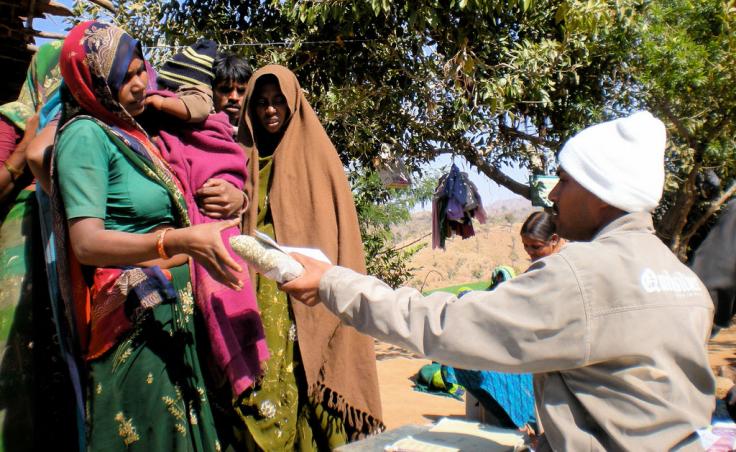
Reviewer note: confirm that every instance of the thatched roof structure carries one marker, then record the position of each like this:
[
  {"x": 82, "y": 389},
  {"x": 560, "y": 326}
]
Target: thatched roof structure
[{"x": 17, "y": 38}]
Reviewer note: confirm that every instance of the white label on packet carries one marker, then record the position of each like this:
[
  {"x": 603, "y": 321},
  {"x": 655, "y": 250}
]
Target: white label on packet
[{"x": 314, "y": 253}]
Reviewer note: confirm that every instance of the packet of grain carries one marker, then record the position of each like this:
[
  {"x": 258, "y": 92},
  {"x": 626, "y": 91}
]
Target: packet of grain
[{"x": 269, "y": 260}]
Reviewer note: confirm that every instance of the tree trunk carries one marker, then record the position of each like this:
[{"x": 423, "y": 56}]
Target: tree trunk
[
  {"x": 673, "y": 223},
  {"x": 714, "y": 207}
]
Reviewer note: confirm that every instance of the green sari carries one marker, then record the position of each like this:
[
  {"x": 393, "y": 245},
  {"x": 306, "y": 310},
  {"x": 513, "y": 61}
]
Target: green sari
[
  {"x": 35, "y": 393},
  {"x": 148, "y": 393},
  {"x": 16, "y": 323},
  {"x": 277, "y": 412}
]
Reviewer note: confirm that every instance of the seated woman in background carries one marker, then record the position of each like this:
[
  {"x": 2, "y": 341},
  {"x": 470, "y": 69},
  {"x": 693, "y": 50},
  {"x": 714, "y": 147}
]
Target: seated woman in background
[
  {"x": 507, "y": 400},
  {"x": 320, "y": 386},
  {"x": 539, "y": 237},
  {"x": 124, "y": 243},
  {"x": 500, "y": 274}
]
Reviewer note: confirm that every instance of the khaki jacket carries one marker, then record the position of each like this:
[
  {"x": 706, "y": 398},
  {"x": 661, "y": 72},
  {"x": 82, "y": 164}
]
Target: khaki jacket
[
  {"x": 198, "y": 100},
  {"x": 614, "y": 330}
]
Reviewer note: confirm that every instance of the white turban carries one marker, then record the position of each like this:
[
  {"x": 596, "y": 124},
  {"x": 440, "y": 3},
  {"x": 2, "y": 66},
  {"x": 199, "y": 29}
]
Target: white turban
[{"x": 620, "y": 161}]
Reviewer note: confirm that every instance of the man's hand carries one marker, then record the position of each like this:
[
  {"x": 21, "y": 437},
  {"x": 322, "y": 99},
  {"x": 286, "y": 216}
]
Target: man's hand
[
  {"x": 218, "y": 198},
  {"x": 306, "y": 287}
]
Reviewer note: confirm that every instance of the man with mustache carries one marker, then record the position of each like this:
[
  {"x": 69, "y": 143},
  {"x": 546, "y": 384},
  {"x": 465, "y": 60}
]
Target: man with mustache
[
  {"x": 231, "y": 78},
  {"x": 613, "y": 326}
]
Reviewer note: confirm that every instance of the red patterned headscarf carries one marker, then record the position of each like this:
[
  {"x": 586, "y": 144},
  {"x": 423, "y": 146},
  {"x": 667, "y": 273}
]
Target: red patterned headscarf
[{"x": 94, "y": 62}]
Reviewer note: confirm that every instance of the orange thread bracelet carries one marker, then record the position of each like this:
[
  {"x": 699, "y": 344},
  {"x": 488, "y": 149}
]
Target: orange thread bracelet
[{"x": 160, "y": 243}]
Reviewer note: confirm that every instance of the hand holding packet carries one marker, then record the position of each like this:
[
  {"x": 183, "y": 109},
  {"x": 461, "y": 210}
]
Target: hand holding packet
[{"x": 270, "y": 259}]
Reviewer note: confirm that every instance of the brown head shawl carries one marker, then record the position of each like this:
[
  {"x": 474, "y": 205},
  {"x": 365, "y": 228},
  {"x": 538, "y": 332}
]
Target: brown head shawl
[{"x": 312, "y": 206}]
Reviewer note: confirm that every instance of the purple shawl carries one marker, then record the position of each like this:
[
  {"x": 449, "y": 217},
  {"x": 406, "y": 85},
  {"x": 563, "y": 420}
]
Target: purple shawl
[{"x": 197, "y": 153}]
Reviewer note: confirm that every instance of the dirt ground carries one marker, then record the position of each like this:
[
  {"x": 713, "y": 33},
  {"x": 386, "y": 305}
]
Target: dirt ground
[
  {"x": 722, "y": 354},
  {"x": 402, "y": 405}
]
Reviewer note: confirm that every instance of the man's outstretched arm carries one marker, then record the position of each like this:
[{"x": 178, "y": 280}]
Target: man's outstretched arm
[{"x": 533, "y": 323}]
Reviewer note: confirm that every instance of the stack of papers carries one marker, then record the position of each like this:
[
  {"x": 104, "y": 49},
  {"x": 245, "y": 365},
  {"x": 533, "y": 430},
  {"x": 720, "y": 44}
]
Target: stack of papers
[
  {"x": 451, "y": 435},
  {"x": 719, "y": 437}
]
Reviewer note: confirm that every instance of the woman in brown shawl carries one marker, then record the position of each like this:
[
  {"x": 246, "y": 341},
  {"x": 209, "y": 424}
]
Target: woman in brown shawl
[{"x": 320, "y": 387}]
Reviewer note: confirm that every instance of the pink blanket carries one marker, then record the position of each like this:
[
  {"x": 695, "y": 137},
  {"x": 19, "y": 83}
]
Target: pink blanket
[{"x": 197, "y": 153}]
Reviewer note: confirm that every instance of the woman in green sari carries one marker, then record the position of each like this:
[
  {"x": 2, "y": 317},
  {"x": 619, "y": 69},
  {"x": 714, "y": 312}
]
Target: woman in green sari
[{"x": 124, "y": 244}]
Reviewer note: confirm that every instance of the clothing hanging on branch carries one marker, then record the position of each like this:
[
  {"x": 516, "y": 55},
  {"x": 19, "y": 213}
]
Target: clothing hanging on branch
[{"x": 455, "y": 203}]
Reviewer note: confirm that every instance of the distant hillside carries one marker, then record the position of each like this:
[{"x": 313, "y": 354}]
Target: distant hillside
[
  {"x": 519, "y": 208},
  {"x": 496, "y": 242}
]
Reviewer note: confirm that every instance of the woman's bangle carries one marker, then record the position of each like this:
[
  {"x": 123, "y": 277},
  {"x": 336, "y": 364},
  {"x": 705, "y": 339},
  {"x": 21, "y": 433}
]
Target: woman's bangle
[
  {"x": 14, "y": 172},
  {"x": 160, "y": 243}
]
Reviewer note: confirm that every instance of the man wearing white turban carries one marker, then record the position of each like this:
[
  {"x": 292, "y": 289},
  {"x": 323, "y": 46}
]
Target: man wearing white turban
[{"x": 613, "y": 327}]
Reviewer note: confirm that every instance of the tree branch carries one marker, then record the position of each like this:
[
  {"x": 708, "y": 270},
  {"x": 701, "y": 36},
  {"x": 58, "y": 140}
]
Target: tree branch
[
  {"x": 664, "y": 106},
  {"x": 539, "y": 141},
  {"x": 495, "y": 174},
  {"x": 107, "y": 4},
  {"x": 421, "y": 289},
  {"x": 473, "y": 157},
  {"x": 718, "y": 128},
  {"x": 413, "y": 242},
  {"x": 714, "y": 207}
]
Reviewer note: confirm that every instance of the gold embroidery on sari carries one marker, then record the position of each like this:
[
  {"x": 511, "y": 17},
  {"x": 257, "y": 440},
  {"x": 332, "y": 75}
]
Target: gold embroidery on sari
[
  {"x": 126, "y": 429},
  {"x": 124, "y": 350},
  {"x": 172, "y": 405},
  {"x": 187, "y": 301},
  {"x": 192, "y": 415}
]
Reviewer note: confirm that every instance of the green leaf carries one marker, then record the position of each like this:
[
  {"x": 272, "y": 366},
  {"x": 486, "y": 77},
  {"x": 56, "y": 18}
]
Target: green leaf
[
  {"x": 376, "y": 5},
  {"x": 561, "y": 12},
  {"x": 468, "y": 65}
]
